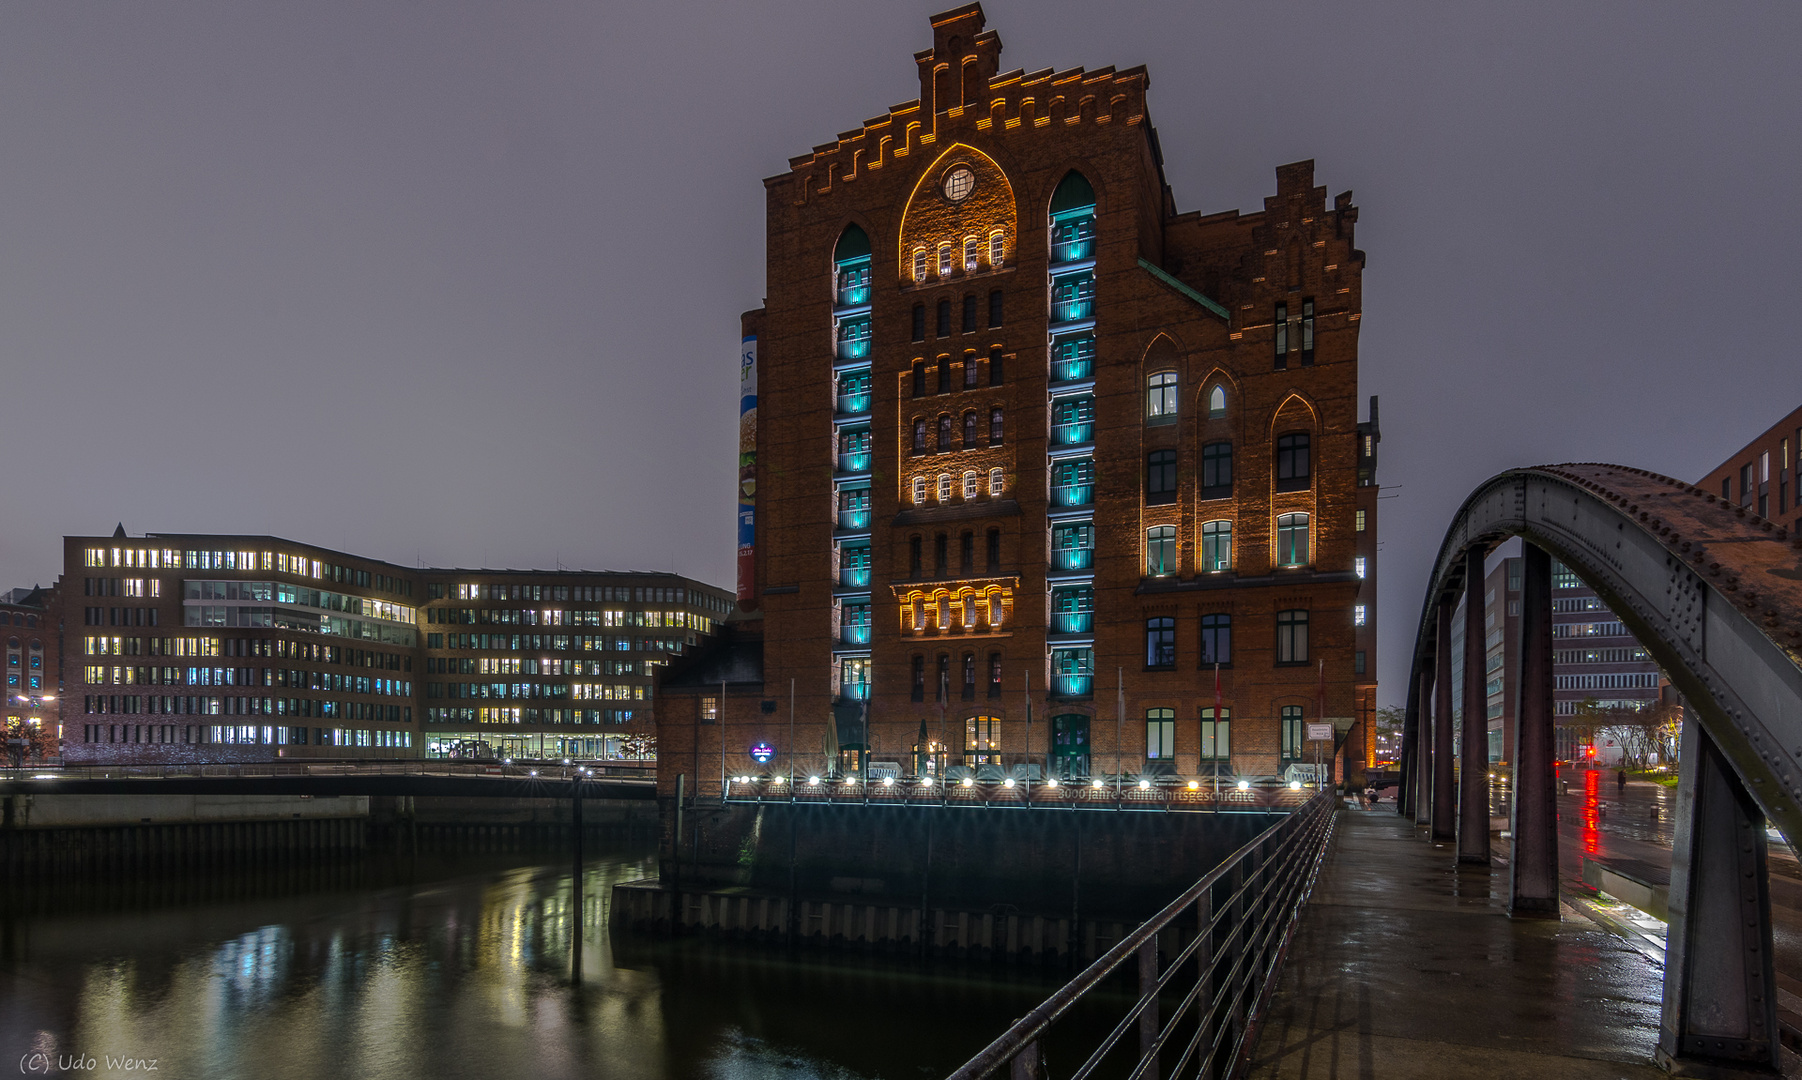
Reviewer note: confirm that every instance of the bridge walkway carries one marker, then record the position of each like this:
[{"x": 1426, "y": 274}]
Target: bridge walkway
[{"x": 1406, "y": 966}]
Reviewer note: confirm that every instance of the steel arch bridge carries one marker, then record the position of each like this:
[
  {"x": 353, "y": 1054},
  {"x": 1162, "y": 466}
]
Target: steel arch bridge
[{"x": 1714, "y": 593}]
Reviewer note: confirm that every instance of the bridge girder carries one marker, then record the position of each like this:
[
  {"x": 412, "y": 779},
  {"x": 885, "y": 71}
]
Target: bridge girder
[{"x": 1713, "y": 592}]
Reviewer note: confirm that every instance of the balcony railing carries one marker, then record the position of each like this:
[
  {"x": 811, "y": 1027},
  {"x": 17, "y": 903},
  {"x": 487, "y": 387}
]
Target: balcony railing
[
  {"x": 854, "y": 519},
  {"x": 1073, "y": 241},
  {"x": 854, "y": 691},
  {"x": 1073, "y": 622},
  {"x": 1073, "y": 558},
  {"x": 1073, "y": 494},
  {"x": 855, "y": 635},
  {"x": 1073, "y": 685},
  {"x": 857, "y": 404},
  {"x": 857, "y": 461},
  {"x": 855, "y": 577},
  {"x": 1072, "y": 309},
  {"x": 1070, "y": 369},
  {"x": 853, "y": 295},
  {"x": 854, "y": 348},
  {"x": 1073, "y": 433}
]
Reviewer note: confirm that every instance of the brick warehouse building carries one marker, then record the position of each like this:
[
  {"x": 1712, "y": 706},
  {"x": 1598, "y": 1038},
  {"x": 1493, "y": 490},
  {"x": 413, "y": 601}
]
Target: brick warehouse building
[
  {"x": 1018, "y": 435},
  {"x": 182, "y": 647}
]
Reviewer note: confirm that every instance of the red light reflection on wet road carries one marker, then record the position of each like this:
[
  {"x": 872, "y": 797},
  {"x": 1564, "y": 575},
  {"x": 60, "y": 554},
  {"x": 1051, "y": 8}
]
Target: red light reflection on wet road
[{"x": 1592, "y": 808}]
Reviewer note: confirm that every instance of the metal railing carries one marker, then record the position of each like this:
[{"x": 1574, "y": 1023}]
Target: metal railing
[{"x": 1245, "y": 912}]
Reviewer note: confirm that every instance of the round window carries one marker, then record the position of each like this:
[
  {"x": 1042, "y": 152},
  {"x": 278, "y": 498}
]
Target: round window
[{"x": 959, "y": 183}]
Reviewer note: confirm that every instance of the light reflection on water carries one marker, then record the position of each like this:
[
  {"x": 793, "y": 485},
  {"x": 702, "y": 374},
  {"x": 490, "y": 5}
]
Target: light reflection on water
[{"x": 469, "y": 976}]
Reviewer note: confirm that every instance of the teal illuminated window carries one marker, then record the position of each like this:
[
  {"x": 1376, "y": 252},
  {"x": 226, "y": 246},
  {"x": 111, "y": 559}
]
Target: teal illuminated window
[
  {"x": 854, "y": 450},
  {"x": 1073, "y": 220},
  {"x": 854, "y": 392},
  {"x": 1073, "y": 297},
  {"x": 1072, "y": 357},
  {"x": 1073, "y": 546},
  {"x": 851, "y": 264},
  {"x": 1073, "y": 483},
  {"x": 1073, "y": 672},
  {"x": 1073, "y": 610},
  {"x": 1073, "y": 421},
  {"x": 854, "y": 338},
  {"x": 854, "y": 508},
  {"x": 1216, "y": 546},
  {"x": 1160, "y": 550},
  {"x": 854, "y": 629},
  {"x": 854, "y": 566}
]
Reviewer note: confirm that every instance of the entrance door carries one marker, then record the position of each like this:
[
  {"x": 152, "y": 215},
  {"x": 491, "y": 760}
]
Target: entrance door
[{"x": 1070, "y": 745}]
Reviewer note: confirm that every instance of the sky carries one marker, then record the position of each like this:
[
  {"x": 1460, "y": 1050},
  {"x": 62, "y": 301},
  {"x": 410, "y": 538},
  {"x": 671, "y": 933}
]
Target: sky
[{"x": 458, "y": 284}]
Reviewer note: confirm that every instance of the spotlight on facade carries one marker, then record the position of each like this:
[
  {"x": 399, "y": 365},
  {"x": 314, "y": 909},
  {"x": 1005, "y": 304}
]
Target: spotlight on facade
[
  {"x": 850, "y": 781},
  {"x": 888, "y": 781},
  {"x": 533, "y": 772},
  {"x": 1009, "y": 782},
  {"x": 1245, "y": 785},
  {"x": 1295, "y": 785},
  {"x": 1144, "y": 785},
  {"x": 969, "y": 781},
  {"x": 814, "y": 781},
  {"x": 777, "y": 779},
  {"x": 1193, "y": 785},
  {"x": 925, "y": 781},
  {"x": 1051, "y": 781},
  {"x": 1098, "y": 784}
]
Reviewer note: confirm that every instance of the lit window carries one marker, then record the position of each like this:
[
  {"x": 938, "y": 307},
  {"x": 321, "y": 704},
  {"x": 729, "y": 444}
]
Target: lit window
[
  {"x": 1217, "y": 546},
  {"x": 1160, "y": 550},
  {"x": 972, "y": 253},
  {"x": 1360, "y": 521},
  {"x": 919, "y": 490},
  {"x": 972, "y": 485},
  {"x": 1358, "y": 566},
  {"x": 1217, "y": 403},
  {"x": 1357, "y": 614},
  {"x": 944, "y": 487},
  {"x": 997, "y": 248},
  {"x": 919, "y": 269},
  {"x": 1160, "y": 734},
  {"x": 1216, "y": 735},
  {"x": 944, "y": 260},
  {"x": 1292, "y": 732},
  {"x": 1292, "y": 540},
  {"x": 1160, "y": 397},
  {"x": 995, "y": 610},
  {"x": 996, "y": 481}
]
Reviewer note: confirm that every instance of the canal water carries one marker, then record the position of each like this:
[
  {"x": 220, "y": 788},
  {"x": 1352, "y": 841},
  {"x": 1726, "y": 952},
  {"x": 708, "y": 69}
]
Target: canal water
[{"x": 394, "y": 970}]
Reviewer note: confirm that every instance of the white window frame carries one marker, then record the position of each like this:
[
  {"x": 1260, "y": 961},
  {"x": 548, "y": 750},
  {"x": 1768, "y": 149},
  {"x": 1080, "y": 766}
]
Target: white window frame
[
  {"x": 919, "y": 264},
  {"x": 997, "y": 481},
  {"x": 997, "y": 248},
  {"x": 919, "y": 491},
  {"x": 972, "y": 485},
  {"x": 944, "y": 487},
  {"x": 1160, "y": 395}
]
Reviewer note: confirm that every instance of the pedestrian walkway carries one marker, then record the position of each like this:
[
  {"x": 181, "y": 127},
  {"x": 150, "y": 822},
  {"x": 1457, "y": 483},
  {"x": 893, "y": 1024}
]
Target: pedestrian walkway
[{"x": 1404, "y": 967}]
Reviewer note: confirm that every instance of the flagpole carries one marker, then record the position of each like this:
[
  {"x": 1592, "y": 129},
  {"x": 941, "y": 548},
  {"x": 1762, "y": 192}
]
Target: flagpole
[
  {"x": 791, "y": 740},
  {"x": 1027, "y": 757},
  {"x": 1119, "y": 730},
  {"x": 1229, "y": 751}
]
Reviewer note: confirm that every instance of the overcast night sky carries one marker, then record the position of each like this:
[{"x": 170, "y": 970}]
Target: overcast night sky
[{"x": 459, "y": 284}]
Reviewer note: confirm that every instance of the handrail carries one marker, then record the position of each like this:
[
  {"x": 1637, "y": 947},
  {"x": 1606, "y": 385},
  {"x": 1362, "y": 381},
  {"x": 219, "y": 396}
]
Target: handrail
[{"x": 1259, "y": 913}]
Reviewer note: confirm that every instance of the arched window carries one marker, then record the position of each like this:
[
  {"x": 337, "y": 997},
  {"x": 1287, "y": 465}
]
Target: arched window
[
  {"x": 919, "y": 674},
  {"x": 995, "y": 613},
  {"x": 997, "y": 248},
  {"x": 851, "y": 264},
  {"x": 972, "y": 370},
  {"x": 1160, "y": 397},
  {"x": 966, "y": 551},
  {"x": 919, "y": 491},
  {"x": 972, "y": 254},
  {"x": 944, "y": 260},
  {"x": 970, "y": 430},
  {"x": 1216, "y": 546},
  {"x": 1160, "y": 643},
  {"x": 1292, "y": 540},
  {"x": 1160, "y": 550},
  {"x": 1292, "y": 467},
  {"x": 1072, "y": 220},
  {"x": 919, "y": 434},
  {"x": 919, "y": 265},
  {"x": 972, "y": 486},
  {"x": 995, "y": 427},
  {"x": 1217, "y": 403},
  {"x": 994, "y": 670},
  {"x": 944, "y": 487},
  {"x": 997, "y": 481},
  {"x": 1160, "y": 477},
  {"x": 969, "y": 605},
  {"x": 919, "y": 374},
  {"x": 914, "y": 561},
  {"x": 945, "y": 433}
]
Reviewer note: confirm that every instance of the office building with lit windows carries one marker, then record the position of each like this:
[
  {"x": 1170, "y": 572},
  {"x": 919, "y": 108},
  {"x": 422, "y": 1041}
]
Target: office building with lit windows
[
  {"x": 1025, "y": 441},
  {"x": 186, "y": 647},
  {"x": 1762, "y": 476}
]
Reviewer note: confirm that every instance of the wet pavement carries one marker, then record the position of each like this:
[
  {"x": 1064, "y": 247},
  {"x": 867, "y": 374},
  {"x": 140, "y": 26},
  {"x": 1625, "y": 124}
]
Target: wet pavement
[{"x": 1405, "y": 966}]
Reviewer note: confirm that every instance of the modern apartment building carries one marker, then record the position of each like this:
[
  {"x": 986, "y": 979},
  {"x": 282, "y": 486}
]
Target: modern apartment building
[
  {"x": 1025, "y": 441},
  {"x": 1596, "y": 662},
  {"x": 185, "y": 647},
  {"x": 1762, "y": 476}
]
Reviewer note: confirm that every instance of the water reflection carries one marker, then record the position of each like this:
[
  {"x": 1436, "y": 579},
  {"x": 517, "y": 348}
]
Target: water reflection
[{"x": 467, "y": 975}]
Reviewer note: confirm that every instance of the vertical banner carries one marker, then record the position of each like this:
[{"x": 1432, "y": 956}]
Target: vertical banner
[{"x": 747, "y": 472}]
